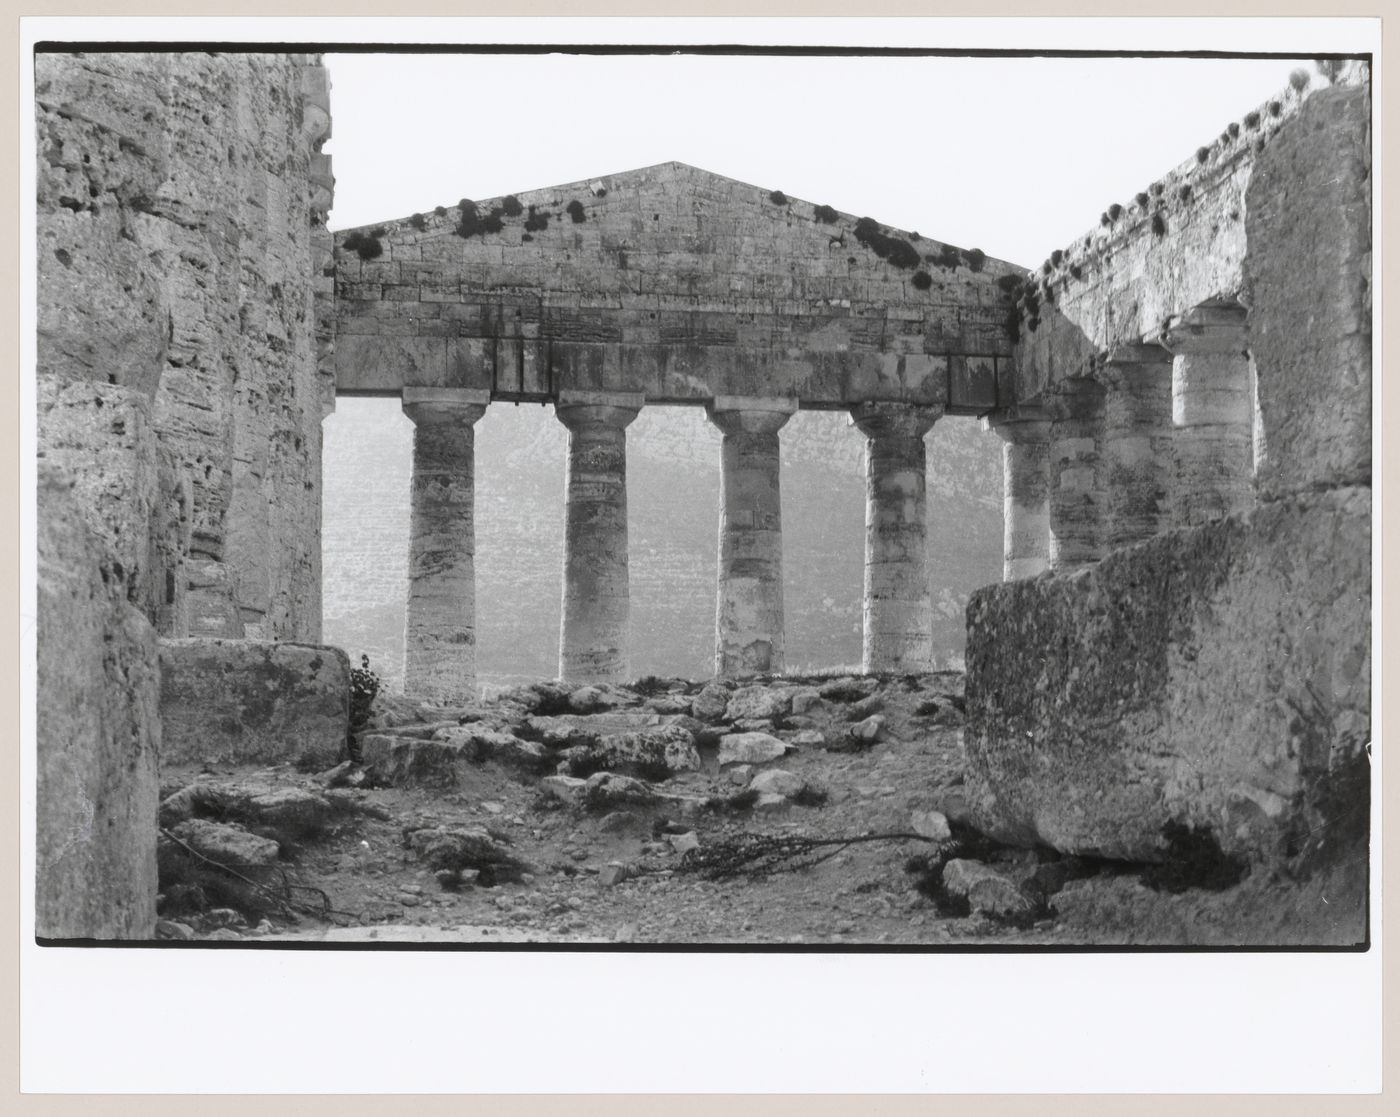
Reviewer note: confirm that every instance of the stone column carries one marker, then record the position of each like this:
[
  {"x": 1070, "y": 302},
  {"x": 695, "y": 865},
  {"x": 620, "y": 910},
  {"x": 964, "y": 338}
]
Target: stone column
[
  {"x": 1077, "y": 503},
  {"x": 749, "y": 603},
  {"x": 593, "y": 640},
  {"x": 440, "y": 630},
  {"x": 1025, "y": 463},
  {"x": 1137, "y": 443},
  {"x": 898, "y": 613},
  {"x": 1212, "y": 413}
]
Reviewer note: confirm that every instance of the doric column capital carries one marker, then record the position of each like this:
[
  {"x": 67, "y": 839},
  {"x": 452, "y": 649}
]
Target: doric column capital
[
  {"x": 436, "y": 406},
  {"x": 577, "y": 409},
  {"x": 1206, "y": 329},
  {"x": 750, "y": 414},
  {"x": 1023, "y": 426},
  {"x": 884, "y": 418}
]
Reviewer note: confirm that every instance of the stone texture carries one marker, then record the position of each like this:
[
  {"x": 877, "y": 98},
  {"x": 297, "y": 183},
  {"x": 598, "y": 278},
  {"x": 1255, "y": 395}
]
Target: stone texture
[
  {"x": 1078, "y": 502},
  {"x": 594, "y": 636},
  {"x": 749, "y": 605},
  {"x": 239, "y": 701},
  {"x": 98, "y": 734},
  {"x": 1212, "y": 414},
  {"x": 749, "y": 748},
  {"x": 1026, "y": 484},
  {"x": 1132, "y": 272},
  {"x": 1209, "y": 676},
  {"x": 897, "y": 613},
  {"x": 229, "y": 845},
  {"x": 676, "y": 283},
  {"x": 1308, "y": 216},
  {"x": 1138, "y": 452},
  {"x": 440, "y": 623},
  {"x": 753, "y": 702}
]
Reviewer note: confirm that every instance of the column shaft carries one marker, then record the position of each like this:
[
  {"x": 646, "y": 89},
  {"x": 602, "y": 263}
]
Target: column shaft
[
  {"x": 1025, "y": 461},
  {"x": 1212, "y": 413},
  {"x": 1077, "y": 504},
  {"x": 440, "y": 625},
  {"x": 593, "y": 639},
  {"x": 749, "y": 598},
  {"x": 1137, "y": 442},
  {"x": 898, "y": 615}
]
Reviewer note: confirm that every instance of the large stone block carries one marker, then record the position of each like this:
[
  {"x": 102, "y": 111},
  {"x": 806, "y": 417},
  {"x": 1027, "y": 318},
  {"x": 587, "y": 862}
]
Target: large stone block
[
  {"x": 98, "y": 731},
  {"x": 1308, "y": 278},
  {"x": 1211, "y": 677},
  {"x": 251, "y": 701}
]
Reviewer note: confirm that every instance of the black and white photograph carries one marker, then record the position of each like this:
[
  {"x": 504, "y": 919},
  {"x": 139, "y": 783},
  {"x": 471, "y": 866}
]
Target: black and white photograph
[{"x": 744, "y": 494}]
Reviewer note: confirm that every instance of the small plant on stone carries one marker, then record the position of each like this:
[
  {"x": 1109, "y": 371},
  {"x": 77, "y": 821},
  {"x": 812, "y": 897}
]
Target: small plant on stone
[{"x": 364, "y": 687}]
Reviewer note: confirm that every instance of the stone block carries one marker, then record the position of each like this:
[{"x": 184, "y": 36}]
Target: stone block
[
  {"x": 98, "y": 735},
  {"x": 1212, "y": 677},
  {"x": 1308, "y": 216},
  {"x": 247, "y": 701}
]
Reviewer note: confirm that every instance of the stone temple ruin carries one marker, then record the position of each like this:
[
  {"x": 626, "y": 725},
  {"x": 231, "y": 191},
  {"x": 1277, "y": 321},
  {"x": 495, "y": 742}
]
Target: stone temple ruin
[{"x": 1182, "y": 638}]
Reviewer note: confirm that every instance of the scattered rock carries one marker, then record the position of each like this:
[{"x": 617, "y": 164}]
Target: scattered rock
[
  {"x": 615, "y": 872},
  {"x": 619, "y": 822},
  {"x": 807, "y": 700},
  {"x": 740, "y": 774},
  {"x": 985, "y": 889},
  {"x": 684, "y": 843},
  {"x": 758, "y": 702},
  {"x": 650, "y": 753},
  {"x": 229, "y": 845},
  {"x": 868, "y": 729},
  {"x": 770, "y": 803},
  {"x": 872, "y": 704},
  {"x": 168, "y": 929},
  {"x": 566, "y": 788},
  {"x": 848, "y": 689},
  {"x": 711, "y": 703},
  {"x": 225, "y": 934},
  {"x": 458, "y": 848},
  {"x": 809, "y": 739},
  {"x": 932, "y": 825},
  {"x": 605, "y": 790},
  {"x": 750, "y": 748},
  {"x": 777, "y": 781},
  {"x": 586, "y": 699}
]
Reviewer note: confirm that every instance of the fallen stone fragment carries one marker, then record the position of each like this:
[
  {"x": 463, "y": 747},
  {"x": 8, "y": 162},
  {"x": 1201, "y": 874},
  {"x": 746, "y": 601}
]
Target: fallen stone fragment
[
  {"x": 872, "y": 704},
  {"x": 759, "y": 702},
  {"x": 559, "y": 732},
  {"x": 195, "y": 801},
  {"x": 605, "y": 790},
  {"x": 932, "y": 825},
  {"x": 776, "y": 781},
  {"x": 615, "y": 872},
  {"x": 770, "y": 802},
  {"x": 345, "y": 774},
  {"x": 809, "y": 739},
  {"x": 848, "y": 689},
  {"x": 458, "y": 847},
  {"x": 224, "y": 934},
  {"x": 406, "y": 762},
  {"x": 479, "y": 745},
  {"x": 619, "y": 822},
  {"x": 986, "y": 889},
  {"x": 807, "y": 701},
  {"x": 650, "y": 753},
  {"x": 586, "y": 699},
  {"x": 229, "y": 845},
  {"x": 168, "y": 929},
  {"x": 709, "y": 705},
  {"x": 740, "y": 774},
  {"x": 749, "y": 748},
  {"x": 565, "y": 788},
  {"x": 869, "y": 729},
  {"x": 684, "y": 843}
]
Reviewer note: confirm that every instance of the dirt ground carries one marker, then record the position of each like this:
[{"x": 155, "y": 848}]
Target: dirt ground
[{"x": 648, "y": 874}]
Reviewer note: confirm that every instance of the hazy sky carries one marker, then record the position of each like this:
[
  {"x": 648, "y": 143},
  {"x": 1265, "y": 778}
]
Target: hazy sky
[{"x": 1016, "y": 156}]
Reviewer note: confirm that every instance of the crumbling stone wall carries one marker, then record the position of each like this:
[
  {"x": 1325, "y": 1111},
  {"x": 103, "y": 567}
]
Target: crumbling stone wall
[
  {"x": 179, "y": 421},
  {"x": 175, "y": 261},
  {"x": 1215, "y": 676}
]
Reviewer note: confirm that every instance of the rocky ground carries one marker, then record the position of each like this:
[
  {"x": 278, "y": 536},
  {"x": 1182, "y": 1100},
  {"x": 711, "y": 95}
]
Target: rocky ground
[{"x": 795, "y": 810}]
